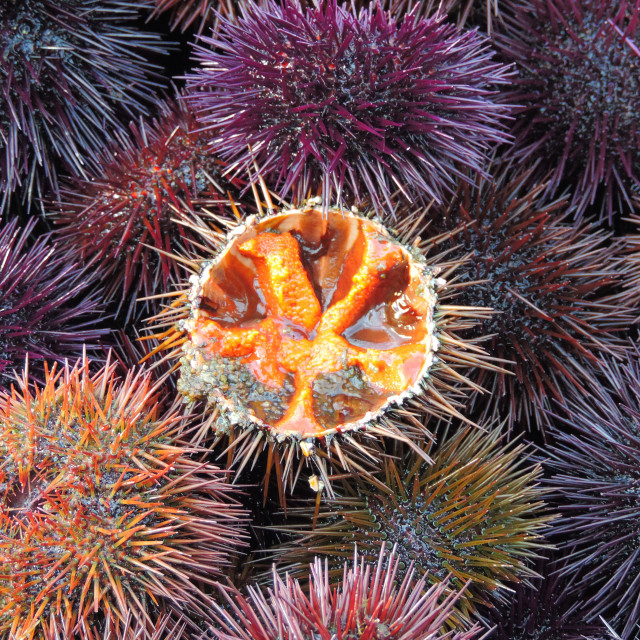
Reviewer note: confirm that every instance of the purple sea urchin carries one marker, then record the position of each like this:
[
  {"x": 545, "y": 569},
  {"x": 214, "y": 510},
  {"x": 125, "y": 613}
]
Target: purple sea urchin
[
  {"x": 371, "y": 603},
  {"x": 596, "y": 474},
  {"x": 474, "y": 514},
  {"x": 580, "y": 86},
  {"x": 103, "y": 512},
  {"x": 68, "y": 69},
  {"x": 309, "y": 326},
  {"x": 126, "y": 217},
  {"x": 544, "y": 608},
  {"x": 630, "y": 264},
  {"x": 322, "y": 97},
  {"x": 550, "y": 281},
  {"x": 47, "y": 307}
]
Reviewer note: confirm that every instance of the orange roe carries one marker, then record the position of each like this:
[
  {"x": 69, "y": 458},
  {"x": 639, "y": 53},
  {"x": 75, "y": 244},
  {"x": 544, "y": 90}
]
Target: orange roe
[{"x": 297, "y": 339}]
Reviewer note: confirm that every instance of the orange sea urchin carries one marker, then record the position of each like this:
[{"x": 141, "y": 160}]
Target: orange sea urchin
[
  {"x": 105, "y": 520},
  {"x": 309, "y": 324}
]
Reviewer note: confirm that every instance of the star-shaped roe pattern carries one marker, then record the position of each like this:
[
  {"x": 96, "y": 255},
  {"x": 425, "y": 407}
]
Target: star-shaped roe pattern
[{"x": 297, "y": 337}]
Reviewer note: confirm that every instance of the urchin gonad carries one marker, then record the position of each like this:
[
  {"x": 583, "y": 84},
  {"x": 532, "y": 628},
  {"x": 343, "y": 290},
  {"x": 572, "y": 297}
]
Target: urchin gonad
[{"x": 309, "y": 324}]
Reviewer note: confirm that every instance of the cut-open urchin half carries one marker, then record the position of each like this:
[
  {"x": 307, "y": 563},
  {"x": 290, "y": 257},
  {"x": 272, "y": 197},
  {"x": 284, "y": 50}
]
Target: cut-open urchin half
[{"x": 306, "y": 334}]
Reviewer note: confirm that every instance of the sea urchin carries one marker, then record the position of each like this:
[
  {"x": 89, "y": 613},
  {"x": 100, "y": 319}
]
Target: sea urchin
[
  {"x": 544, "y": 607},
  {"x": 322, "y": 97},
  {"x": 474, "y": 514},
  {"x": 68, "y": 70},
  {"x": 549, "y": 281},
  {"x": 595, "y": 467},
  {"x": 105, "y": 517},
  {"x": 126, "y": 216},
  {"x": 370, "y": 603},
  {"x": 48, "y": 309},
  {"x": 580, "y": 90},
  {"x": 309, "y": 326}
]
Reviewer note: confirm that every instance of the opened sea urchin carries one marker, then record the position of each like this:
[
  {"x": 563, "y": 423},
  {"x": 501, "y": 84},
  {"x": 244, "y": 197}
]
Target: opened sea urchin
[
  {"x": 106, "y": 521},
  {"x": 309, "y": 326}
]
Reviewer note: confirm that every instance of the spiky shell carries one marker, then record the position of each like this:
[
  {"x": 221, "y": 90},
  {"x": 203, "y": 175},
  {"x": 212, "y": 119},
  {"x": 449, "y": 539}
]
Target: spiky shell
[
  {"x": 372, "y": 602},
  {"x": 550, "y": 281},
  {"x": 106, "y": 518},
  {"x": 594, "y": 469},
  {"x": 544, "y": 607},
  {"x": 474, "y": 514},
  {"x": 339, "y": 444}
]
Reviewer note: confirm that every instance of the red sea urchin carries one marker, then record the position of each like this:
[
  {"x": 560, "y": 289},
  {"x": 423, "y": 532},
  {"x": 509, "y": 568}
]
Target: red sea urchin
[
  {"x": 551, "y": 282},
  {"x": 370, "y": 603},
  {"x": 105, "y": 517},
  {"x": 474, "y": 514},
  {"x": 68, "y": 70},
  {"x": 579, "y": 83},
  {"x": 126, "y": 217},
  {"x": 48, "y": 309},
  {"x": 595, "y": 473},
  {"x": 310, "y": 326},
  {"x": 365, "y": 103}
]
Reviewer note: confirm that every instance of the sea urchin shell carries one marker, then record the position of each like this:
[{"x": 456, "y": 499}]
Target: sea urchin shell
[
  {"x": 103, "y": 514},
  {"x": 368, "y": 604},
  {"x": 322, "y": 97},
  {"x": 126, "y": 216},
  {"x": 311, "y": 325},
  {"x": 549, "y": 281}
]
